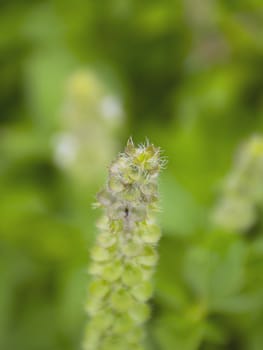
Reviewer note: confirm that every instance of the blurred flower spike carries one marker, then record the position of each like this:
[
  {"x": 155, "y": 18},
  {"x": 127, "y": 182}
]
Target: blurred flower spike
[
  {"x": 92, "y": 115},
  {"x": 124, "y": 256},
  {"x": 242, "y": 195}
]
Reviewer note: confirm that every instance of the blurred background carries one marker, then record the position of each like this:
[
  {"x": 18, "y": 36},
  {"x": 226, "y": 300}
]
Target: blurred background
[{"x": 77, "y": 78}]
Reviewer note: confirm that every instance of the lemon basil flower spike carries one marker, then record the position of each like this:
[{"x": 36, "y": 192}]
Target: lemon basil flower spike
[
  {"x": 240, "y": 205},
  {"x": 124, "y": 256}
]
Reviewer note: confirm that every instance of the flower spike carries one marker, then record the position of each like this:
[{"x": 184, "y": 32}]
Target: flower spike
[{"x": 124, "y": 256}]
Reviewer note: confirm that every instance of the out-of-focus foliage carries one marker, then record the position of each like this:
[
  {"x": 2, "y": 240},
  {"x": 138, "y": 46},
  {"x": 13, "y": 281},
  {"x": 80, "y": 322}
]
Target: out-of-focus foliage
[{"x": 76, "y": 79}]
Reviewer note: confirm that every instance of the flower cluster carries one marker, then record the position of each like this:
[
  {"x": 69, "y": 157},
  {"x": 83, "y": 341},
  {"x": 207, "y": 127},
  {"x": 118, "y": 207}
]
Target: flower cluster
[
  {"x": 124, "y": 256},
  {"x": 243, "y": 189},
  {"x": 92, "y": 114}
]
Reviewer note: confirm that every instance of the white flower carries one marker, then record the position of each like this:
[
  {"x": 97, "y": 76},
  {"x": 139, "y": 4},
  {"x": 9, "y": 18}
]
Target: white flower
[
  {"x": 66, "y": 148},
  {"x": 111, "y": 108}
]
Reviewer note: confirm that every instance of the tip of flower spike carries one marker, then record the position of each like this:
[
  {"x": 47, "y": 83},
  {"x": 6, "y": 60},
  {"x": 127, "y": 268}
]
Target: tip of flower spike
[
  {"x": 135, "y": 164},
  {"x": 132, "y": 186},
  {"x": 145, "y": 156}
]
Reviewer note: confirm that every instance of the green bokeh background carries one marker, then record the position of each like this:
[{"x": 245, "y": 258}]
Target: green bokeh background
[{"x": 189, "y": 75}]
